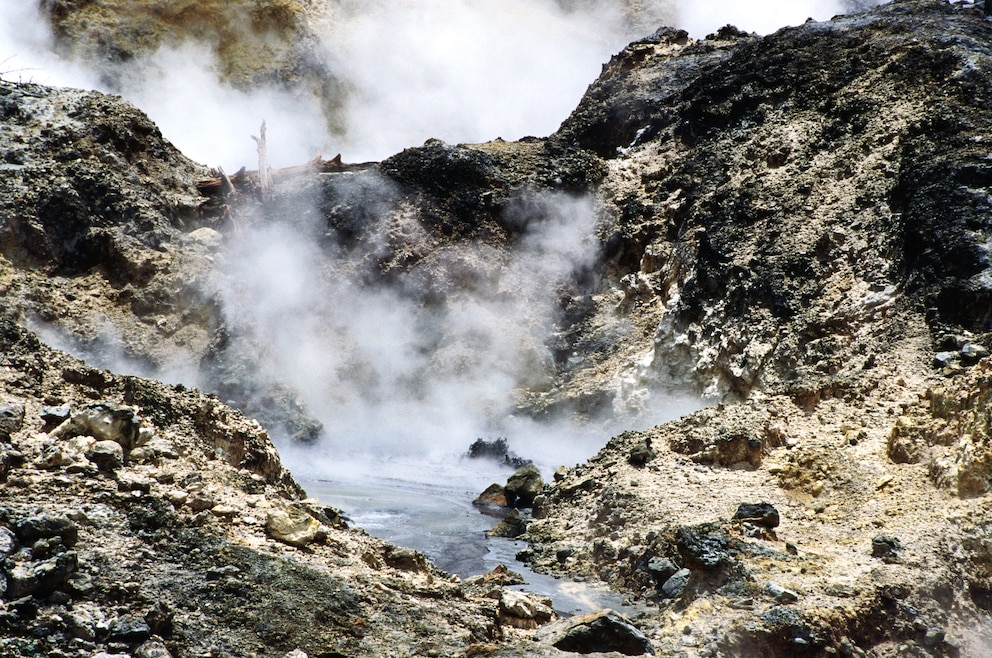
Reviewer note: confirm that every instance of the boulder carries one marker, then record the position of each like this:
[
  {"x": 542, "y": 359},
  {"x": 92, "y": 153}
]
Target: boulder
[
  {"x": 523, "y": 486},
  {"x": 291, "y": 526},
  {"x": 597, "y": 632},
  {"x": 104, "y": 422}
]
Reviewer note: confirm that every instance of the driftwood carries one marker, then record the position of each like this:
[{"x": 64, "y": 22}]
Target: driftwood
[{"x": 243, "y": 181}]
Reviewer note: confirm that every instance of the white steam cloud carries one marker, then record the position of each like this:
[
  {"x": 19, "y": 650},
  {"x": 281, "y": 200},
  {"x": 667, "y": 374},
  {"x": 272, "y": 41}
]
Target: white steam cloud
[
  {"x": 458, "y": 70},
  {"x": 383, "y": 370}
]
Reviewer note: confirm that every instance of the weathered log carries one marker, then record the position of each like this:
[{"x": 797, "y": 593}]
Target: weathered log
[{"x": 243, "y": 179}]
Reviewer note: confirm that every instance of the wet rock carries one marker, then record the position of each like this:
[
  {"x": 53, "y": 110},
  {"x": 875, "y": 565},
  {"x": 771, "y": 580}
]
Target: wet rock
[
  {"x": 763, "y": 514},
  {"x": 103, "y": 421},
  {"x": 493, "y": 496},
  {"x": 522, "y": 610},
  {"x": 40, "y": 578},
  {"x": 641, "y": 453},
  {"x": 597, "y": 632},
  {"x": 511, "y": 526},
  {"x": 886, "y": 547},
  {"x": 523, "y": 486},
  {"x": 291, "y": 526},
  {"x": 44, "y": 526},
  {"x": 107, "y": 455},
  {"x": 11, "y": 417},
  {"x": 673, "y": 587}
]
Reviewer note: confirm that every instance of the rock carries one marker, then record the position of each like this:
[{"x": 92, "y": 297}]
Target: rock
[
  {"x": 541, "y": 507},
  {"x": 296, "y": 653},
  {"x": 11, "y": 417},
  {"x": 493, "y": 496},
  {"x": 676, "y": 584},
  {"x": 84, "y": 620},
  {"x": 291, "y": 526},
  {"x": 641, "y": 453},
  {"x": 597, "y": 632},
  {"x": 511, "y": 526},
  {"x": 405, "y": 559},
  {"x": 55, "y": 415},
  {"x": 40, "y": 578},
  {"x": 44, "y": 526},
  {"x": 104, "y": 422},
  {"x": 107, "y": 455},
  {"x": 886, "y": 547},
  {"x": 8, "y": 543},
  {"x": 972, "y": 354},
  {"x": 129, "y": 629},
  {"x": 522, "y": 610},
  {"x": 50, "y": 459},
  {"x": 496, "y": 449},
  {"x": 201, "y": 501},
  {"x": 153, "y": 648},
  {"x": 781, "y": 594},
  {"x": 763, "y": 514},
  {"x": 705, "y": 547},
  {"x": 523, "y": 486},
  {"x": 662, "y": 568},
  {"x": 945, "y": 359}
]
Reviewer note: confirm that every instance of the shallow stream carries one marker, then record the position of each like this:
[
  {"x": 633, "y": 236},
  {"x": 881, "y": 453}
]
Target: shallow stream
[{"x": 429, "y": 508}]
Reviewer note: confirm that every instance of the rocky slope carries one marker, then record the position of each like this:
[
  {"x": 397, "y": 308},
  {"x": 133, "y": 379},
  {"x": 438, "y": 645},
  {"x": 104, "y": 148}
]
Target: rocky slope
[{"x": 795, "y": 225}]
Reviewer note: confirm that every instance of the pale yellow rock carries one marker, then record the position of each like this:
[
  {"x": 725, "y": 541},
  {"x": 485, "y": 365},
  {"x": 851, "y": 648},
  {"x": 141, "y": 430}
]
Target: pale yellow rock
[{"x": 291, "y": 526}]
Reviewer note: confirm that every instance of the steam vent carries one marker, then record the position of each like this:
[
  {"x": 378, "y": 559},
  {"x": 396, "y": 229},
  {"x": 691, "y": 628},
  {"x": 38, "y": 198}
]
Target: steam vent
[{"x": 720, "y": 342}]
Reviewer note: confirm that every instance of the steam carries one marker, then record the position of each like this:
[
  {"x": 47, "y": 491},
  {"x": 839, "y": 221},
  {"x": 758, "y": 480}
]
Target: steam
[
  {"x": 421, "y": 366},
  {"x": 462, "y": 71}
]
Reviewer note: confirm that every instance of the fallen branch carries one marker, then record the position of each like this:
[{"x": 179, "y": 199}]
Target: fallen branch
[{"x": 244, "y": 181}]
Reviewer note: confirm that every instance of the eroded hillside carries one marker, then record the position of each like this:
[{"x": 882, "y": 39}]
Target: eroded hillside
[{"x": 795, "y": 225}]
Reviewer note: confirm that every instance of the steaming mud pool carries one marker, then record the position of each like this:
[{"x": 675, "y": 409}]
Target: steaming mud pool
[{"x": 429, "y": 508}]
